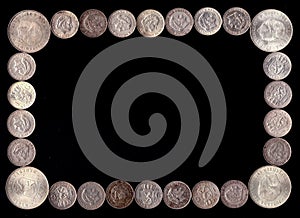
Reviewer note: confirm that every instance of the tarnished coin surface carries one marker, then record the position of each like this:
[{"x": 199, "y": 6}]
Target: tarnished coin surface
[
  {"x": 206, "y": 194},
  {"x": 21, "y": 123},
  {"x": 62, "y": 195},
  {"x": 21, "y": 95},
  {"x": 148, "y": 194},
  {"x": 277, "y": 151},
  {"x": 64, "y": 24},
  {"x": 177, "y": 195},
  {"x": 150, "y": 23},
  {"x": 27, "y": 187},
  {"x": 119, "y": 194},
  {"x": 208, "y": 21},
  {"x": 278, "y": 94},
  {"x": 93, "y": 23},
  {"x": 271, "y": 30},
  {"x": 121, "y": 23},
  {"x": 277, "y": 65},
  {"x": 21, "y": 66},
  {"x": 277, "y": 123},
  {"x": 236, "y": 21},
  {"x": 179, "y": 22},
  {"x": 29, "y": 31},
  {"x": 234, "y": 194},
  {"x": 269, "y": 186}
]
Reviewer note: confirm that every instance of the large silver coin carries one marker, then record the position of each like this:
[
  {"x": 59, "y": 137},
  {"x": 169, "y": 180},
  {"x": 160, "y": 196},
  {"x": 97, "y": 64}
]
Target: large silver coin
[
  {"x": 208, "y": 21},
  {"x": 179, "y": 22},
  {"x": 269, "y": 186},
  {"x": 278, "y": 94},
  {"x": 177, "y": 195},
  {"x": 93, "y": 23},
  {"x": 234, "y": 193},
  {"x": 121, "y": 23},
  {"x": 150, "y": 23},
  {"x": 206, "y": 194},
  {"x": 21, "y": 66},
  {"x": 27, "y": 188},
  {"x": 148, "y": 194},
  {"x": 64, "y": 24},
  {"x": 21, "y": 95},
  {"x": 277, "y": 123},
  {"x": 21, "y": 123},
  {"x": 271, "y": 30},
  {"x": 277, "y": 65},
  {"x": 277, "y": 151},
  {"x": 62, "y": 195}
]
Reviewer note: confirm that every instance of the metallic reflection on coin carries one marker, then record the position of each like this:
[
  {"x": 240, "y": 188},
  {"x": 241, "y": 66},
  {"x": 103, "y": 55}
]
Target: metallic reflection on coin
[
  {"x": 21, "y": 123},
  {"x": 121, "y": 23},
  {"x": 278, "y": 94},
  {"x": 277, "y": 123},
  {"x": 64, "y": 24},
  {"x": 179, "y": 22},
  {"x": 206, "y": 194},
  {"x": 277, "y": 151},
  {"x": 234, "y": 194},
  {"x": 62, "y": 195},
  {"x": 148, "y": 194},
  {"x": 269, "y": 187},
  {"x": 177, "y": 195},
  {"x": 93, "y": 23},
  {"x": 27, "y": 188},
  {"x": 277, "y": 65},
  {"x": 150, "y": 23},
  {"x": 29, "y": 31},
  {"x": 21, "y": 66},
  {"x": 21, "y": 95},
  {"x": 236, "y": 21},
  {"x": 208, "y": 21},
  {"x": 119, "y": 194},
  {"x": 271, "y": 30}
]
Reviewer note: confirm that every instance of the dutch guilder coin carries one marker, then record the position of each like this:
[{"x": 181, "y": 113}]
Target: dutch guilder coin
[
  {"x": 21, "y": 66},
  {"x": 179, "y": 22},
  {"x": 21, "y": 123},
  {"x": 21, "y": 95},
  {"x": 150, "y": 23},
  {"x": 148, "y": 194},
  {"x": 277, "y": 151},
  {"x": 234, "y": 193},
  {"x": 177, "y": 195},
  {"x": 121, "y": 23},
  {"x": 277, "y": 123},
  {"x": 119, "y": 194},
  {"x": 278, "y": 94},
  {"x": 92, "y": 23},
  {"x": 64, "y": 24},
  {"x": 208, "y": 21},
  {"x": 277, "y": 65},
  {"x": 206, "y": 194}
]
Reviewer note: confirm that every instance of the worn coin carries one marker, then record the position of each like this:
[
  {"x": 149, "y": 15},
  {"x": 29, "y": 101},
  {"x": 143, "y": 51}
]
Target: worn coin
[
  {"x": 206, "y": 194},
  {"x": 64, "y": 24},
  {"x": 234, "y": 194},
  {"x": 121, "y": 23},
  {"x": 278, "y": 94},
  {"x": 277, "y": 123},
  {"x": 177, "y": 195},
  {"x": 208, "y": 21},
  {"x": 277, "y": 65},
  {"x": 119, "y": 194},
  {"x": 21, "y": 95},
  {"x": 21, "y": 66},
  {"x": 236, "y": 21},
  {"x": 271, "y": 30},
  {"x": 148, "y": 194},
  {"x": 29, "y": 31},
  {"x": 21, "y": 123},
  {"x": 179, "y": 22},
  {"x": 62, "y": 195},
  {"x": 150, "y": 23},
  {"x": 92, "y": 23},
  {"x": 277, "y": 151},
  {"x": 27, "y": 187},
  {"x": 269, "y": 186}
]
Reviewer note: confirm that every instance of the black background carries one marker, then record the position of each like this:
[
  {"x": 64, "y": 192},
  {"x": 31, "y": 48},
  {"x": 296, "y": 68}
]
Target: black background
[{"x": 237, "y": 62}]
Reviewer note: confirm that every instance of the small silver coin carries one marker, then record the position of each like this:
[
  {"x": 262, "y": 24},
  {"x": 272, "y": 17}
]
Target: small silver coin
[
  {"x": 277, "y": 123},
  {"x": 179, "y": 22},
  {"x": 21, "y": 95},
  {"x": 62, "y": 195},
  {"x": 234, "y": 194},
  {"x": 150, "y": 23},
  {"x": 278, "y": 94},
  {"x": 277, "y": 151},
  {"x": 206, "y": 194},
  {"x": 148, "y": 194},
  {"x": 64, "y": 24},
  {"x": 177, "y": 195},
  {"x": 236, "y": 21},
  {"x": 93, "y": 23},
  {"x": 277, "y": 65},
  {"x": 21, "y": 123},
  {"x": 208, "y": 21},
  {"x": 21, "y": 66},
  {"x": 121, "y": 23}
]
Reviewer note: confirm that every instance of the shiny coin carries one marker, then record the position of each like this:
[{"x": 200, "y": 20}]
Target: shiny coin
[
  {"x": 29, "y": 31},
  {"x": 119, "y": 194},
  {"x": 93, "y": 23},
  {"x": 236, "y": 21},
  {"x": 277, "y": 65},
  {"x": 277, "y": 123},
  {"x": 234, "y": 194},
  {"x": 21, "y": 66},
  {"x": 21, "y": 123},
  {"x": 206, "y": 194},
  {"x": 277, "y": 151},
  {"x": 271, "y": 30},
  {"x": 64, "y": 24},
  {"x": 150, "y": 23},
  {"x": 177, "y": 195},
  {"x": 62, "y": 195},
  {"x": 208, "y": 21},
  {"x": 148, "y": 194},
  {"x": 121, "y": 23},
  {"x": 278, "y": 94},
  {"x": 269, "y": 187},
  {"x": 179, "y": 22},
  {"x": 27, "y": 188},
  {"x": 21, "y": 95}
]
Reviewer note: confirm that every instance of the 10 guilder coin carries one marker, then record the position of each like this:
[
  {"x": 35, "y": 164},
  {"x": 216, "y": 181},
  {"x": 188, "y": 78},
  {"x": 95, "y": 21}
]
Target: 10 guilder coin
[
  {"x": 21, "y": 95},
  {"x": 150, "y": 23},
  {"x": 62, "y": 195},
  {"x": 121, "y": 23},
  {"x": 64, "y": 24},
  {"x": 148, "y": 194},
  {"x": 21, "y": 66},
  {"x": 92, "y": 23},
  {"x": 21, "y": 123},
  {"x": 177, "y": 195},
  {"x": 119, "y": 194}
]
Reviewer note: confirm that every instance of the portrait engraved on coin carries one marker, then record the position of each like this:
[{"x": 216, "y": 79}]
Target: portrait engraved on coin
[
  {"x": 278, "y": 94},
  {"x": 236, "y": 21},
  {"x": 21, "y": 66},
  {"x": 119, "y": 194},
  {"x": 277, "y": 65},
  {"x": 62, "y": 195},
  {"x": 234, "y": 194},
  {"x": 208, "y": 21},
  {"x": 21, "y": 95},
  {"x": 148, "y": 194},
  {"x": 150, "y": 23},
  {"x": 21, "y": 123},
  {"x": 177, "y": 195},
  {"x": 121, "y": 23},
  {"x": 277, "y": 123},
  {"x": 277, "y": 151},
  {"x": 64, "y": 24},
  {"x": 205, "y": 194},
  {"x": 93, "y": 23},
  {"x": 179, "y": 22}
]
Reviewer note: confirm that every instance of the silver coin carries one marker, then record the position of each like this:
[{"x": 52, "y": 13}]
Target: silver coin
[
  {"x": 277, "y": 123},
  {"x": 121, "y": 23},
  {"x": 148, "y": 194},
  {"x": 93, "y": 23},
  {"x": 236, "y": 21},
  {"x": 21, "y": 66},
  {"x": 277, "y": 151},
  {"x": 277, "y": 65},
  {"x": 62, "y": 195},
  {"x": 21, "y": 123},
  {"x": 269, "y": 187},
  {"x": 179, "y": 22},
  {"x": 234, "y": 194},
  {"x": 29, "y": 31},
  {"x": 208, "y": 21},
  {"x": 177, "y": 195},
  {"x": 64, "y": 24},
  {"x": 271, "y": 30},
  {"x": 206, "y": 194},
  {"x": 21, "y": 152},
  {"x": 278, "y": 94},
  {"x": 27, "y": 188},
  {"x": 150, "y": 23},
  {"x": 21, "y": 95}
]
